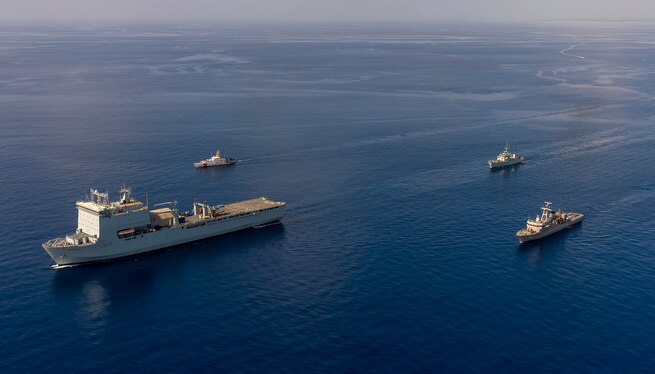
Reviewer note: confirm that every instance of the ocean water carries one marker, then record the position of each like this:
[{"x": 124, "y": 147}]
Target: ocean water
[{"x": 398, "y": 252}]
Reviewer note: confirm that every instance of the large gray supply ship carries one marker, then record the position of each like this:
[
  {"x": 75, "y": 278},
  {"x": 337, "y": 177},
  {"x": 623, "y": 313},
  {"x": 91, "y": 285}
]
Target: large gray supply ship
[
  {"x": 549, "y": 222},
  {"x": 506, "y": 158},
  {"x": 108, "y": 230}
]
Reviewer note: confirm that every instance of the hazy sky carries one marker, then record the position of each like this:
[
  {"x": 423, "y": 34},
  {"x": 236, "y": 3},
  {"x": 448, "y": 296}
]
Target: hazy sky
[{"x": 326, "y": 10}]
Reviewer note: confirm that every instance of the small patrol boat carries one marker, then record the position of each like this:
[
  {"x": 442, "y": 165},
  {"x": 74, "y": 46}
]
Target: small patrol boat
[
  {"x": 506, "y": 158},
  {"x": 549, "y": 222},
  {"x": 215, "y": 160}
]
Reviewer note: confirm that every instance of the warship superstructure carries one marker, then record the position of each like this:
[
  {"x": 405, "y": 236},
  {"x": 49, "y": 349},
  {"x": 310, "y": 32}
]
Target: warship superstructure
[
  {"x": 549, "y": 222},
  {"x": 108, "y": 230},
  {"x": 215, "y": 160},
  {"x": 506, "y": 158}
]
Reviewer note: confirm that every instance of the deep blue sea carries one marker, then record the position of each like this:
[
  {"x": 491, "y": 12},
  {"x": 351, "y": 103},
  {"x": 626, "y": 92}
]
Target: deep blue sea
[{"x": 398, "y": 251}]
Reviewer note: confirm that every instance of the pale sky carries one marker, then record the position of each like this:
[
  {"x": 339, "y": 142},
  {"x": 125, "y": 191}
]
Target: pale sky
[{"x": 325, "y": 10}]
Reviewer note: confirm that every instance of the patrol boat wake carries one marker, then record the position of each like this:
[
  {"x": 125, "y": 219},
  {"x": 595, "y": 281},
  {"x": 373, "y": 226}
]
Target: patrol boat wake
[
  {"x": 547, "y": 223},
  {"x": 127, "y": 227}
]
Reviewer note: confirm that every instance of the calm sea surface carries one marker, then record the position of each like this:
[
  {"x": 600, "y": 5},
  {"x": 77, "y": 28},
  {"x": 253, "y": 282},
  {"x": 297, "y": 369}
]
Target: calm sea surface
[{"x": 398, "y": 251}]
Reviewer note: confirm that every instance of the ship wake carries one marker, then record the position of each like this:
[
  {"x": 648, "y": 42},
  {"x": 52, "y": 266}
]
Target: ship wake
[
  {"x": 57, "y": 267},
  {"x": 267, "y": 224}
]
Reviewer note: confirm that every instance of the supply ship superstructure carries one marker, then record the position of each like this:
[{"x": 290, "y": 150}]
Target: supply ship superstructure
[
  {"x": 108, "y": 230},
  {"x": 549, "y": 222}
]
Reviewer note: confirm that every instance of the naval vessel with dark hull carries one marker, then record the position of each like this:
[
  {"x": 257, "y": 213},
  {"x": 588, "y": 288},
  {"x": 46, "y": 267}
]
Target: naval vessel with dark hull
[{"x": 548, "y": 223}]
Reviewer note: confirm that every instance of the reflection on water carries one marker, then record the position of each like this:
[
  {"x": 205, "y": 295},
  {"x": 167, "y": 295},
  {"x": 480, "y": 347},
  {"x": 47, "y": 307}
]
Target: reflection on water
[
  {"x": 507, "y": 170},
  {"x": 94, "y": 305},
  {"x": 217, "y": 170},
  {"x": 101, "y": 292},
  {"x": 97, "y": 290},
  {"x": 108, "y": 285},
  {"x": 545, "y": 248}
]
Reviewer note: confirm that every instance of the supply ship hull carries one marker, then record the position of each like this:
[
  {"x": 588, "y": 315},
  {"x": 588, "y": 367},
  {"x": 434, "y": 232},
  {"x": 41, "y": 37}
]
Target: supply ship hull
[{"x": 164, "y": 228}]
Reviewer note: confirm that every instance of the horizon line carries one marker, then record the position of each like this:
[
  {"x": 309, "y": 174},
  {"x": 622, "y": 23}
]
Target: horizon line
[{"x": 323, "y": 21}]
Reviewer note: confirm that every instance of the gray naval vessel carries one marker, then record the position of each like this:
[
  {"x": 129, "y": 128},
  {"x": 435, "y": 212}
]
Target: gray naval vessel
[
  {"x": 549, "y": 222},
  {"x": 215, "y": 160},
  {"x": 108, "y": 230},
  {"x": 506, "y": 158}
]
